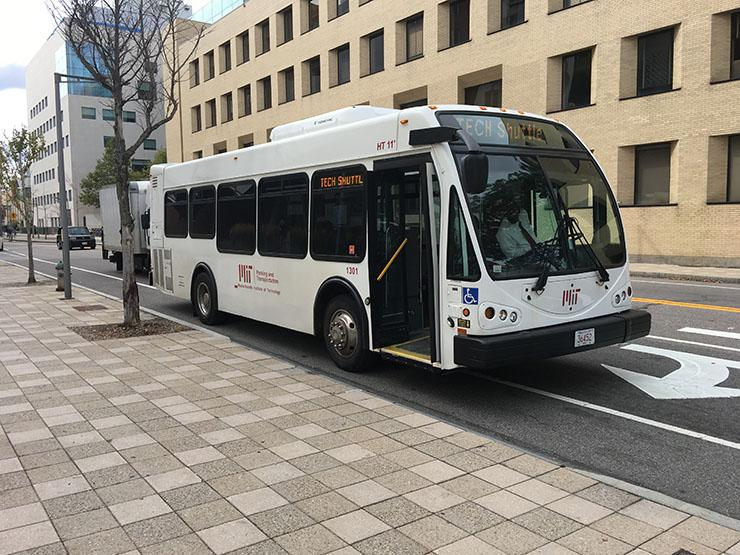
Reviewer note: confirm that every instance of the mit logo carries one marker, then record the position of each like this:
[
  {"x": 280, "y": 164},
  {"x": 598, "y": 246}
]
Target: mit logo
[
  {"x": 570, "y": 297},
  {"x": 245, "y": 273}
]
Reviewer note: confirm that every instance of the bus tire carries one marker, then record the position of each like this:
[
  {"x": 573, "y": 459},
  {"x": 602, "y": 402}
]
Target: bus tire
[
  {"x": 344, "y": 335},
  {"x": 205, "y": 299}
]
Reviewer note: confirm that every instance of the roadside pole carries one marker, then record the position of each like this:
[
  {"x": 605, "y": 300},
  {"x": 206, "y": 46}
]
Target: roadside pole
[{"x": 63, "y": 221}]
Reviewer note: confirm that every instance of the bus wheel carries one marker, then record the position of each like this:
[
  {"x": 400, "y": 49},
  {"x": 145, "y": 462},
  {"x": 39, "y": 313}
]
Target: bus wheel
[
  {"x": 344, "y": 333},
  {"x": 205, "y": 300}
]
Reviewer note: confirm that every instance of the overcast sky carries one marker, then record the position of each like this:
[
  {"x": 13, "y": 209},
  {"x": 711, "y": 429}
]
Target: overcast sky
[{"x": 23, "y": 30}]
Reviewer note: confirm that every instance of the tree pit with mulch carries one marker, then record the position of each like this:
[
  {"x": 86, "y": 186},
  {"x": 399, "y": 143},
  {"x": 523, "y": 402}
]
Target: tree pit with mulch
[{"x": 155, "y": 326}]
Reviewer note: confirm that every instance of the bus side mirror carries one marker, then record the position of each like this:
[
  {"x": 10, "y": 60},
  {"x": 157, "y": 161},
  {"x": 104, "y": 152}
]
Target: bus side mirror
[
  {"x": 145, "y": 220},
  {"x": 475, "y": 172}
]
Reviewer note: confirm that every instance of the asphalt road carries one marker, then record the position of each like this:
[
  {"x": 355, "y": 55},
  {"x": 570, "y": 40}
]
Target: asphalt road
[{"x": 571, "y": 409}]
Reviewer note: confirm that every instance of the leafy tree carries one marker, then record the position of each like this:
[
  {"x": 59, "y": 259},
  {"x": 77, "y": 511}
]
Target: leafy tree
[
  {"x": 102, "y": 175},
  {"x": 17, "y": 153},
  {"x": 137, "y": 50},
  {"x": 160, "y": 157}
]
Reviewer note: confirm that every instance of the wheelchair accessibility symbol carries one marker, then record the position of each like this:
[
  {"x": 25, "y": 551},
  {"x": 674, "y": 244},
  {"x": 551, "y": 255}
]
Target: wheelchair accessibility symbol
[{"x": 470, "y": 295}]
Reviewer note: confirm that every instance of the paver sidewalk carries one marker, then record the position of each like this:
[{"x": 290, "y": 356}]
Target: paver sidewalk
[
  {"x": 673, "y": 271},
  {"x": 188, "y": 443}
]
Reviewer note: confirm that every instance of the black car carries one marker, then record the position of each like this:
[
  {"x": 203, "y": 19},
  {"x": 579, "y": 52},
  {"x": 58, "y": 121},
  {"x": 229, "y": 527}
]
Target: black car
[{"x": 79, "y": 236}]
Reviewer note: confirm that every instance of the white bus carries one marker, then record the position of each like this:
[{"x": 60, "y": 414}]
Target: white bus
[{"x": 450, "y": 236}]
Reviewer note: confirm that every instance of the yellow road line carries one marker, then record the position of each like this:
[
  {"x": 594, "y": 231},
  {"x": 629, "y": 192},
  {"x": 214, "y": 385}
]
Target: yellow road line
[{"x": 688, "y": 305}]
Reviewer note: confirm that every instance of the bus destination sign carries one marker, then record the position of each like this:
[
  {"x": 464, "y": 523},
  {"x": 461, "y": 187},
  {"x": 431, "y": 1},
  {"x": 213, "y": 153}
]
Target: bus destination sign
[
  {"x": 342, "y": 180},
  {"x": 493, "y": 130}
]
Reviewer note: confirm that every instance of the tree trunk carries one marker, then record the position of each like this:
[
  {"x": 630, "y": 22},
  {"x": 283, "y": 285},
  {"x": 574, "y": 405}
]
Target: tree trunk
[
  {"x": 130, "y": 293},
  {"x": 29, "y": 239}
]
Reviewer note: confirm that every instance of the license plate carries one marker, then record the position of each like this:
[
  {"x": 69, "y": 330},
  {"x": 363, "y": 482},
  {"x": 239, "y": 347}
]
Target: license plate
[{"x": 585, "y": 337}]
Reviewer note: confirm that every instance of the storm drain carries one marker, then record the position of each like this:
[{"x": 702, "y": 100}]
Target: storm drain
[{"x": 90, "y": 307}]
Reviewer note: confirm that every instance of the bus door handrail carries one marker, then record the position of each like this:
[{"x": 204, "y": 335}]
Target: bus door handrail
[{"x": 392, "y": 260}]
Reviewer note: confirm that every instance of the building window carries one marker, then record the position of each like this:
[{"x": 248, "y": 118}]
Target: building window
[
  {"x": 283, "y": 216},
  {"x": 242, "y": 48},
  {"x": 733, "y": 169},
  {"x": 209, "y": 63},
  {"x": 413, "y": 103},
  {"x": 89, "y": 113},
  {"x": 224, "y": 52},
  {"x": 197, "y": 155},
  {"x": 108, "y": 114},
  {"x": 571, "y": 3},
  {"x": 655, "y": 62},
  {"x": 202, "y": 212},
  {"x": 653, "y": 174},
  {"x": 140, "y": 165},
  {"x": 227, "y": 107},
  {"x": 415, "y": 37},
  {"x": 263, "y": 37},
  {"x": 459, "y": 22},
  {"x": 735, "y": 46},
  {"x": 342, "y": 54},
  {"x": 485, "y": 94},
  {"x": 245, "y": 100},
  {"x": 342, "y": 7},
  {"x": 287, "y": 85},
  {"x": 312, "y": 7},
  {"x": 211, "y": 113},
  {"x": 314, "y": 75},
  {"x": 176, "y": 213},
  {"x": 237, "y": 217},
  {"x": 196, "y": 119},
  {"x": 265, "y": 89},
  {"x": 194, "y": 73},
  {"x": 512, "y": 13},
  {"x": 286, "y": 17},
  {"x": 576, "y": 80},
  {"x": 150, "y": 144},
  {"x": 376, "y": 51},
  {"x": 338, "y": 214},
  {"x": 129, "y": 117}
]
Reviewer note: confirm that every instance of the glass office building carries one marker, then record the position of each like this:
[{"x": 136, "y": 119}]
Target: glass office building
[{"x": 216, "y": 9}]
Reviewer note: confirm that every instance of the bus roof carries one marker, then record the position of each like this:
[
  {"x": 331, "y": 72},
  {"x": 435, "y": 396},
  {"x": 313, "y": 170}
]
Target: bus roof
[{"x": 354, "y": 133}]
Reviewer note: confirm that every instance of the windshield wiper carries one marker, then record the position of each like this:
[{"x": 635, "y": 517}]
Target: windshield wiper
[{"x": 578, "y": 235}]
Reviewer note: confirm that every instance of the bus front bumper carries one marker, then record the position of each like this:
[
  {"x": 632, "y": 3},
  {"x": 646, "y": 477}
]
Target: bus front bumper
[{"x": 498, "y": 350}]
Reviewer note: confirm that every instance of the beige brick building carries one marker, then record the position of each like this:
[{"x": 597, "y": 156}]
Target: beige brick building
[{"x": 650, "y": 85}]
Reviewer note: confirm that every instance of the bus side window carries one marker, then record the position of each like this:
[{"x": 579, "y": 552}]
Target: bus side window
[
  {"x": 202, "y": 212},
  {"x": 338, "y": 214},
  {"x": 237, "y": 217},
  {"x": 176, "y": 213},
  {"x": 461, "y": 261},
  {"x": 283, "y": 216}
]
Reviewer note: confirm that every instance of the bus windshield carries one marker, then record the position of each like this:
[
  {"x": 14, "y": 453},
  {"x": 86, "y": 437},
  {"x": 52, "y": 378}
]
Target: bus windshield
[{"x": 523, "y": 217}]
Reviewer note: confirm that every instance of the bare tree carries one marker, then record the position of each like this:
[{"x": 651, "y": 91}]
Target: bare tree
[
  {"x": 17, "y": 153},
  {"x": 131, "y": 48}
]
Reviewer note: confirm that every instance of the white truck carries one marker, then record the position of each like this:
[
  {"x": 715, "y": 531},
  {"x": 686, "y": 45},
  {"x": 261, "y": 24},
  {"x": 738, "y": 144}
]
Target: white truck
[{"x": 109, "y": 213}]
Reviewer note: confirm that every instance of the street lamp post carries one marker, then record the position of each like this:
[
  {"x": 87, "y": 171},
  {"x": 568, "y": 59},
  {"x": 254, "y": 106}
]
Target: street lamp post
[{"x": 60, "y": 78}]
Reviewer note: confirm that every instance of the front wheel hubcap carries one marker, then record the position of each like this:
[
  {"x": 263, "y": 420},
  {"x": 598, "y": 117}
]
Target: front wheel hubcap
[
  {"x": 203, "y": 295},
  {"x": 343, "y": 336}
]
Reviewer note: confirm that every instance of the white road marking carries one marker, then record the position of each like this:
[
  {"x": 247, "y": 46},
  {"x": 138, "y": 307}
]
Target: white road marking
[
  {"x": 697, "y": 377},
  {"x": 77, "y": 268},
  {"x": 697, "y": 343},
  {"x": 620, "y": 414},
  {"x": 715, "y": 333},
  {"x": 682, "y": 284}
]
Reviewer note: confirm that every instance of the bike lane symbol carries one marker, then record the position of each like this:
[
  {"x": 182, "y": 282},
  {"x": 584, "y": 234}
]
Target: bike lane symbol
[{"x": 470, "y": 295}]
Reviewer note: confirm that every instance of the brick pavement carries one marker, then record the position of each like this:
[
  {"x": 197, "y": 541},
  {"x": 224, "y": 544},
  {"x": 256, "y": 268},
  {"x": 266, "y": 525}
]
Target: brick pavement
[{"x": 189, "y": 443}]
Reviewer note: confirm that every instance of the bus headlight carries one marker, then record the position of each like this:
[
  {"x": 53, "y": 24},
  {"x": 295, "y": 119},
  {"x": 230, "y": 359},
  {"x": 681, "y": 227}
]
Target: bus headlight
[
  {"x": 617, "y": 299},
  {"x": 503, "y": 315},
  {"x": 514, "y": 317}
]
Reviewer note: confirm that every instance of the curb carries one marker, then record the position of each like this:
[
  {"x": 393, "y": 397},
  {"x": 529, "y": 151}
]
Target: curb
[{"x": 685, "y": 277}]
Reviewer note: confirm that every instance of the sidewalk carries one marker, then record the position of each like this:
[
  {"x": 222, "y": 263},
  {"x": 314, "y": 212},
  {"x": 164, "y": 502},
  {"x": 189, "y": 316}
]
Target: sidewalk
[
  {"x": 673, "y": 271},
  {"x": 189, "y": 443}
]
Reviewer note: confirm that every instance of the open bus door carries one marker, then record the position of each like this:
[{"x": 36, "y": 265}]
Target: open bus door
[{"x": 403, "y": 259}]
